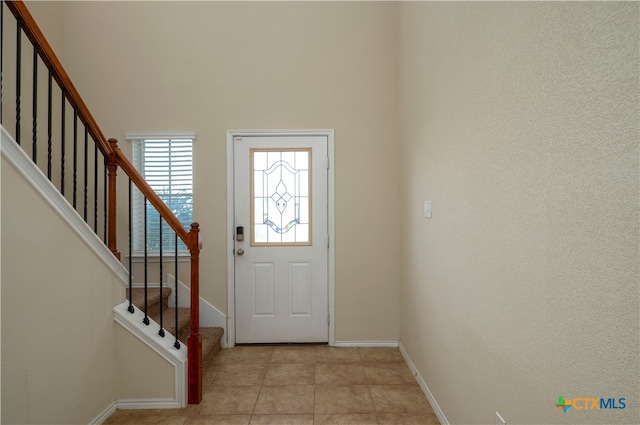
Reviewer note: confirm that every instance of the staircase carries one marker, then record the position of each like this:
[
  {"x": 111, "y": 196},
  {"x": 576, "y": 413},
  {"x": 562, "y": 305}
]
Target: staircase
[
  {"x": 64, "y": 141},
  {"x": 211, "y": 337},
  {"x": 53, "y": 128}
]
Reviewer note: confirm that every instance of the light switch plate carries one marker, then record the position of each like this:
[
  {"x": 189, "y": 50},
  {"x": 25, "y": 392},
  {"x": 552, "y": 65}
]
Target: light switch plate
[{"x": 427, "y": 209}]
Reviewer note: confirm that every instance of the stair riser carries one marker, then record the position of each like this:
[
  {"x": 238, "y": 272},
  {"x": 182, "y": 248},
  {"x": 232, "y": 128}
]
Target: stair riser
[{"x": 154, "y": 309}]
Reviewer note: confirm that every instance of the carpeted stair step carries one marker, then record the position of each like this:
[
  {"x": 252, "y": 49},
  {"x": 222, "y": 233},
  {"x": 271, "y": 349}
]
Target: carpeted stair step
[
  {"x": 169, "y": 322},
  {"x": 211, "y": 337},
  {"x": 153, "y": 300}
]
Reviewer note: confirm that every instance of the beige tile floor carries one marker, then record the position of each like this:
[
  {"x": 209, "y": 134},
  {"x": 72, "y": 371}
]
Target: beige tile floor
[{"x": 306, "y": 385}]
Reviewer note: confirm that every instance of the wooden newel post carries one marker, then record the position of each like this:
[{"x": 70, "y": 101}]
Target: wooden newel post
[
  {"x": 194, "y": 342},
  {"x": 112, "y": 169}
]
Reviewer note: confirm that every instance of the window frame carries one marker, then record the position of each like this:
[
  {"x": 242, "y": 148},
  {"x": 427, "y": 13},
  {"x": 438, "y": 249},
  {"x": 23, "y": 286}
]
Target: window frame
[{"x": 139, "y": 139}]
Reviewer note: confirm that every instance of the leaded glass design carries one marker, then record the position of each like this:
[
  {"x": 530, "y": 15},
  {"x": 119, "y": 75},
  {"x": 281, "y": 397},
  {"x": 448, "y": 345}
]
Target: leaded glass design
[{"x": 280, "y": 196}]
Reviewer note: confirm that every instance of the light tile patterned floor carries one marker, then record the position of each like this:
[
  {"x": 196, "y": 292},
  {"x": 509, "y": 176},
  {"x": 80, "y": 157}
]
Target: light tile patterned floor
[{"x": 299, "y": 385}]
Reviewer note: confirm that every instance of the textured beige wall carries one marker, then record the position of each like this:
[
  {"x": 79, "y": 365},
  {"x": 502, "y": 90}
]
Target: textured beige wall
[
  {"x": 57, "y": 320},
  {"x": 213, "y": 66},
  {"x": 48, "y": 15},
  {"x": 141, "y": 373},
  {"x": 520, "y": 122}
]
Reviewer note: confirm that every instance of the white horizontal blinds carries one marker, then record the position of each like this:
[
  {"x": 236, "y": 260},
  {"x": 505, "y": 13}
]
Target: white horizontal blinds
[{"x": 167, "y": 165}]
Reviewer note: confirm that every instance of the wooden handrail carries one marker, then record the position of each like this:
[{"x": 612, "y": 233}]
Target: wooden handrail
[{"x": 32, "y": 31}]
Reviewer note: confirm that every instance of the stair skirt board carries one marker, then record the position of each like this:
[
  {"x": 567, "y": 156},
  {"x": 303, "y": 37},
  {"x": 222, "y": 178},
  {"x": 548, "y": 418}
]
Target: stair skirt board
[
  {"x": 164, "y": 347},
  {"x": 13, "y": 153},
  {"x": 423, "y": 385}
]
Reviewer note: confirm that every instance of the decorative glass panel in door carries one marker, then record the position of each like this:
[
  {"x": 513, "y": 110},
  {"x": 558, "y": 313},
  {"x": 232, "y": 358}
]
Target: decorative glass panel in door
[{"x": 280, "y": 197}]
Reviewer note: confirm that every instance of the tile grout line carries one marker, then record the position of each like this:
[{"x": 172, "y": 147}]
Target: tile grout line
[
  {"x": 375, "y": 412},
  {"x": 255, "y": 404},
  {"x": 315, "y": 372},
  {"x": 373, "y": 406}
]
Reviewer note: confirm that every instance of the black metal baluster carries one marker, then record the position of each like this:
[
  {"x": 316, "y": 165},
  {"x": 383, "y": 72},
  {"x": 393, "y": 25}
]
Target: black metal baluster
[
  {"x": 75, "y": 156},
  {"x": 34, "y": 149},
  {"x": 130, "y": 309},
  {"x": 105, "y": 205},
  {"x": 1, "y": 57},
  {"x": 49, "y": 125},
  {"x": 86, "y": 172},
  {"x": 95, "y": 187},
  {"x": 146, "y": 282},
  {"x": 175, "y": 283},
  {"x": 63, "y": 136},
  {"x": 161, "y": 333},
  {"x": 18, "y": 77}
]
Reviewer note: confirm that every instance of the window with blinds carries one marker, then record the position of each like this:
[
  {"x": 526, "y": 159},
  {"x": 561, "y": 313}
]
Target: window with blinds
[{"x": 166, "y": 163}]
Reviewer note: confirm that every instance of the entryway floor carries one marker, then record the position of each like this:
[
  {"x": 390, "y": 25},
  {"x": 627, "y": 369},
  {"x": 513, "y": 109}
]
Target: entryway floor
[{"x": 306, "y": 385}]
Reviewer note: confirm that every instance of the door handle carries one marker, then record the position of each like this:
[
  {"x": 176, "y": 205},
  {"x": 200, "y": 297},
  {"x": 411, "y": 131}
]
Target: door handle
[{"x": 240, "y": 251}]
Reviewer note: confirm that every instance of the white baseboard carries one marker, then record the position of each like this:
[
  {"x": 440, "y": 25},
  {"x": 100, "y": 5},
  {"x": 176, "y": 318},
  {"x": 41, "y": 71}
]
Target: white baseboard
[
  {"x": 102, "y": 417},
  {"x": 423, "y": 385},
  {"x": 134, "y": 404},
  {"x": 148, "y": 404},
  {"x": 366, "y": 344},
  {"x": 210, "y": 317}
]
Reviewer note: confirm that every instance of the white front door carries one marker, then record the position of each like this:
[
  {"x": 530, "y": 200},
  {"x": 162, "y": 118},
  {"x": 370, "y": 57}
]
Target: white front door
[{"x": 281, "y": 239}]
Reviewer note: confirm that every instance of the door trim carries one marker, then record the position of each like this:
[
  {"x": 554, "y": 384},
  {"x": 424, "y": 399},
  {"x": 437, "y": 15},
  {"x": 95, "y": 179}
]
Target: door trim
[{"x": 231, "y": 134}]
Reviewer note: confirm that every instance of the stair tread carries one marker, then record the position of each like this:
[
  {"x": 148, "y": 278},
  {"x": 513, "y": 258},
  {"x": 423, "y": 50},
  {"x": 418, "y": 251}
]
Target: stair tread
[
  {"x": 169, "y": 321},
  {"x": 153, "y": 297}
]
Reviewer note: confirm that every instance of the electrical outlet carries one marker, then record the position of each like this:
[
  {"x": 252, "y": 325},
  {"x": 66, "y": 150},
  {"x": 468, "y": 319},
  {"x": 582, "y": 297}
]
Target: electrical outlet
[{"x": 499, "y": 420}]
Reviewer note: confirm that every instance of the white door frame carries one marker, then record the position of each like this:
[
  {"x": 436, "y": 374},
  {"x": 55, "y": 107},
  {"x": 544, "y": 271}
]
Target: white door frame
[{"x": 231, "y": 134}]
